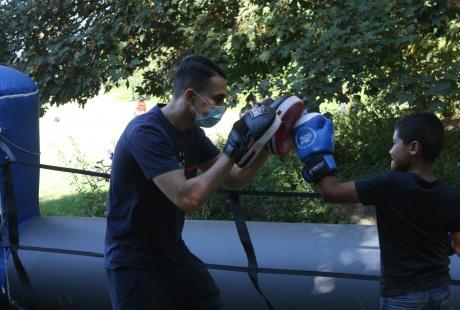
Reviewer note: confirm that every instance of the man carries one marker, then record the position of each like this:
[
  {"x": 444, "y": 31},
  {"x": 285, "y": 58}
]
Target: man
[
  {"x": 141, "y": 107},
  {"x": 250, "y": 103},
  {"x": 154, "y": 182}
]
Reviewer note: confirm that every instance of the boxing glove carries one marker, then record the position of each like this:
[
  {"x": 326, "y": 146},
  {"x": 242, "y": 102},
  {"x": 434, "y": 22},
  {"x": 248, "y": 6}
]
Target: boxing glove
[
  {"x": 250, "y": 134},
  {"x": 313, "y": 136}
]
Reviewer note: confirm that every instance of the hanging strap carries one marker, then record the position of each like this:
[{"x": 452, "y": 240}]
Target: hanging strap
[
  {"x": 245, "y": 238},
  {"x": 10, "y": 233}
]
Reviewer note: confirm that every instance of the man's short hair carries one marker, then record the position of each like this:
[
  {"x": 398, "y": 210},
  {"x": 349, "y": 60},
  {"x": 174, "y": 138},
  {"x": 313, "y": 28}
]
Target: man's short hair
[
  {"x": 427, "y": 129},
  {"x": 195, "y": 72}
]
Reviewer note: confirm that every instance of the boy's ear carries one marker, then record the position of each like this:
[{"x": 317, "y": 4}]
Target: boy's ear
[{"x": 415, "y": 148}]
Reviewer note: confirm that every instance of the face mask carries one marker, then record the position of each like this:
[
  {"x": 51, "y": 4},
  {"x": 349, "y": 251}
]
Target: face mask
[{"x": 214, "y": 115}]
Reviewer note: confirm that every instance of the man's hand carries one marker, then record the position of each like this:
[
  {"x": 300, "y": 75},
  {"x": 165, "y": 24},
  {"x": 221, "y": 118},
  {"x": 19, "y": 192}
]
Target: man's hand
[{"x": 250, "y": 134}]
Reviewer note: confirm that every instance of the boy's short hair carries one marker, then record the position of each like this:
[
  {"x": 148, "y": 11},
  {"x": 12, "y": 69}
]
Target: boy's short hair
[
  {"x": 195, "y": 72},
  {"x": 427, "y": 129}
]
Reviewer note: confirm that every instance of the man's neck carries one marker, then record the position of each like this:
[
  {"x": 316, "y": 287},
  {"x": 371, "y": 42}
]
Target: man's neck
[{"x": 176, "y": 113}]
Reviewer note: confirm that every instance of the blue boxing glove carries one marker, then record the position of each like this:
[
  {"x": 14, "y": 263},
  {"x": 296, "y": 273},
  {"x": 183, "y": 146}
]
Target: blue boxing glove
[{"x": 313, "y": 137}]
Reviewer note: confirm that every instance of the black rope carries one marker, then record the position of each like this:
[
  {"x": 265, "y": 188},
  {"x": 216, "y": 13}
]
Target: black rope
[
  {"x": 268, "y": 193},
  {"x": 294, "y": 272},
  {"x": 65, "y": 169},
  {"x": 220, "y": 191}
]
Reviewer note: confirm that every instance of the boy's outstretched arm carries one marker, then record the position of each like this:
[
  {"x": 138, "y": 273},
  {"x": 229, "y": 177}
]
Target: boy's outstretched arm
[{"x": 335, "y": 192}]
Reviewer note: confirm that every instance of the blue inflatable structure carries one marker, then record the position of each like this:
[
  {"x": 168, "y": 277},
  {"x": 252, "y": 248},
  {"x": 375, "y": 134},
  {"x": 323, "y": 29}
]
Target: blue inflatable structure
[
  {"x": 19, "y": 129},
  {"x": 58, "y": 262},
  {"x": 19, "y": 114}
]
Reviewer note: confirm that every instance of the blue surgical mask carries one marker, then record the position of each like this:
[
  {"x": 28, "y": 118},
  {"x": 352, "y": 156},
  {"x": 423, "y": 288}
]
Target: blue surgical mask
[{"x": 212, "y": 118}]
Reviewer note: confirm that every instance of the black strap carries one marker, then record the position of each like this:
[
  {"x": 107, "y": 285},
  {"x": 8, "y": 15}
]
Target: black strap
[
  {"x": 245, "y": 238},
  {"x": 11, "y": 234}
]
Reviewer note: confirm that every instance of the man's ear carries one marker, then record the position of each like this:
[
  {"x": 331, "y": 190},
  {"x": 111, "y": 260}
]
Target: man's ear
[
  {"x": 415, "y": 148},
  {"x": 189, "y": 95}
]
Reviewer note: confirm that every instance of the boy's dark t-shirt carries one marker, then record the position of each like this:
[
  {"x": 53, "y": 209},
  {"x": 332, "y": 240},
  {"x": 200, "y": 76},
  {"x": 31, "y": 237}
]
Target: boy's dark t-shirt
[
  {"x": 144, "y": 228},
  {"x": 413, "y": 221}
]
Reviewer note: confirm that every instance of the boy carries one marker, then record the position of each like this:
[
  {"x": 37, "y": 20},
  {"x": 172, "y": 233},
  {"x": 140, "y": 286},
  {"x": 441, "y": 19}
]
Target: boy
[{"x": 415, "y": 211}]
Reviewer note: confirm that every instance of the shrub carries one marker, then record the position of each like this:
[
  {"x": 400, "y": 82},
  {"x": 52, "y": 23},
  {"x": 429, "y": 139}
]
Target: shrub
[{"x": 92, "y": 191}]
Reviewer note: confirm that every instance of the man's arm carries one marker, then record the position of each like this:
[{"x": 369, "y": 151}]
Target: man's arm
[
  {"x": 335, "y": 192},
  {"x": 239, "y": 176},
  {"x": 192, "y": 193},
  {"x": 456, "y": 242}
]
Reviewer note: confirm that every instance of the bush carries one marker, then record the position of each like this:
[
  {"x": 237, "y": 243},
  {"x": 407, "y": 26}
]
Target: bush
[
  {"x": 92, "y": 191},
  {"x": 447, "y": 166},
  {"x": 363, "y": 138}
]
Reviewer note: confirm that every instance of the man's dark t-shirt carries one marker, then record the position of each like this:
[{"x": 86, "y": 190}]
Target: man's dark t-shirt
[
  {"x": 414, "y": 218},
  {"x": 144, "y": 228}
]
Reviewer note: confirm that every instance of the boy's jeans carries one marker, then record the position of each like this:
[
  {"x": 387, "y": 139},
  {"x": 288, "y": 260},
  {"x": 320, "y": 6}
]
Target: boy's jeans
[{"x": 439, "y": 298}]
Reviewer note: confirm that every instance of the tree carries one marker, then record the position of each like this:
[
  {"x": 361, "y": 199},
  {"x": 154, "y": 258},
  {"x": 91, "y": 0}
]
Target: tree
[{"x": 400, "y": 51}]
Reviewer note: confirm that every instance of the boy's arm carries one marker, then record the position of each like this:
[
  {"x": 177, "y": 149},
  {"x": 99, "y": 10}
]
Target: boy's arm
[
  {"x": 456, "y": 242},
  {"x": 335, "y": 192}
]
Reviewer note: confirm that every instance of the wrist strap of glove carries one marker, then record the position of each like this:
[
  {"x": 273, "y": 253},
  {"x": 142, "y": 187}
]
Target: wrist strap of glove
[{"x": 318, "y": 166}]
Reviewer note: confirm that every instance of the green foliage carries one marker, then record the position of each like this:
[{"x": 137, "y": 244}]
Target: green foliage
[
  {"x": 93, "y": 197},
  {"x": 364, "y": 130},
  {"x": 363, "y": 138},
  {"x": 447, "y": 166},
  {"x": 398, "y": 51}
]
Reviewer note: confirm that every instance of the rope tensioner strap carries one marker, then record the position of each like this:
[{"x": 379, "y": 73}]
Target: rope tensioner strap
[
  {"x": 10, "y": 235},
  {"x": 245, "y": 239}
]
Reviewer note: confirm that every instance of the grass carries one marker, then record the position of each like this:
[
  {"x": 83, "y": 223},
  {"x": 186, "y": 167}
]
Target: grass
[
  {"x": 57, "y": 196},
  {"x": 65, "y": 205}
]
